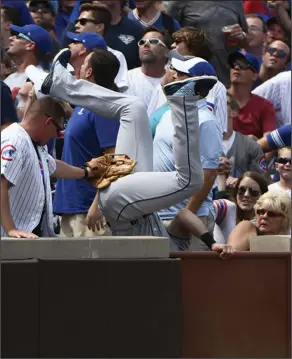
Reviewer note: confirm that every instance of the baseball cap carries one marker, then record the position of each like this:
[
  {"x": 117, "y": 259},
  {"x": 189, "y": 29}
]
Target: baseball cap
[
  {"x": 45, "y": 3},
  {"x": 36, "y": 34},
  {"x": 190, "y": 65},
  {"x": 253, "y": 61},
  {"x": 89, "y": 39}
]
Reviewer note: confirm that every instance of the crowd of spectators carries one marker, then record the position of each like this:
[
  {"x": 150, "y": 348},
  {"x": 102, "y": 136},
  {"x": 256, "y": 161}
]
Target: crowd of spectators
[{"x": 129, "y": 47}]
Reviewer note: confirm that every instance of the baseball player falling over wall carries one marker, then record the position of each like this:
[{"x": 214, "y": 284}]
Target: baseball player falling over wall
[{"x": 129, "y": 204}]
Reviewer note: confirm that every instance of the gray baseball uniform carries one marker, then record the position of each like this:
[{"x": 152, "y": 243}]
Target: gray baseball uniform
[{"x": 128, "y": 204}]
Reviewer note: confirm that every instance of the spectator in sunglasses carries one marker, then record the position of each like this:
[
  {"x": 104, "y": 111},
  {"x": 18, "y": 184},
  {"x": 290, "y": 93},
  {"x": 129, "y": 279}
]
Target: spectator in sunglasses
[
  {"x": 43, "y": 14},
  {"x": 275, "y": 60},
  {"x": 283, "y": 166},
  {"x": 153, "y": 52},
  {"x": 273, "y": 217},
  {"x": 256, "y": 115}
]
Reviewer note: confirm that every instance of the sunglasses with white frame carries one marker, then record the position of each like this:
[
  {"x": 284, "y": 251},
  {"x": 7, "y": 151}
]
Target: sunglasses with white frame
[{"x": 151, "y": 41}]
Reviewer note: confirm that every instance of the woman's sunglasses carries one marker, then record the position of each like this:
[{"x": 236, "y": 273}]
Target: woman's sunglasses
[
  {"x": 262, "y": 212},
  {"x": 36, "y": 8},
  {"x": 275, "y": 52},
  {"x": 283, "y": 160},
  {"x": 84, "y": 21},
  {"x": 252, "y": 192}
]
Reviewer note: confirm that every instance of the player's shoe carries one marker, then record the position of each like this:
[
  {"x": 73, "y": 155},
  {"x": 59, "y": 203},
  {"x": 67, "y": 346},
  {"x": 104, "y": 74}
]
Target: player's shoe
[
  {"x": 193, "y": 86},
  {"x": 61, "y": 59}
]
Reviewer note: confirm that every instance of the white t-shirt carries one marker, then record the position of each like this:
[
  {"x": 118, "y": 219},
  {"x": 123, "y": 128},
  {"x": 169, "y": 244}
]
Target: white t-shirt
[
  {"x": 17, "y": 79},
  {"x": 29, "y": 180},
  {"x": 278, "y": 91},
  {"x": 121, "y": 79},
  {"x": 276, "y": 187},
  {"x": 227, "y": 144},
  {"x": 216, "y": 101},
  {"x": 141, "y": 85}
]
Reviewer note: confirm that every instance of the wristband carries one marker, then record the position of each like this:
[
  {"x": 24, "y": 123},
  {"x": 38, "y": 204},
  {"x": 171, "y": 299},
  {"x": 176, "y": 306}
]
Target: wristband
[
  {"x": 208, "y": 239},
  {"x": 85, "y": 171}
]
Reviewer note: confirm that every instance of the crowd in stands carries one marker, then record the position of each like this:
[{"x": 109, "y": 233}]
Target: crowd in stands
[{"x": 136, "y": 48}]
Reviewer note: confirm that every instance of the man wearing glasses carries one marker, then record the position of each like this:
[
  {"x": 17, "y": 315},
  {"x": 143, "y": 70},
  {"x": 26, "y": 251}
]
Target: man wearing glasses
[
  {"x": 256, "y": 115},
  {"x": 28, "y": 45},
  {"x": 26, "y": 167},
  {"x": 153, "y": 52},
  {"x": 275, "y": 60}
]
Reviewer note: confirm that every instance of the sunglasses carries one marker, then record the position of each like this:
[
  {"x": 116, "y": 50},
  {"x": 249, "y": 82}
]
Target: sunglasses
[
  {"x": 58, "y": 127},
  {"x": 242, "y": 66},
  {"x": 275, "y": 52},
  {"x": 84, "y": 21},
  {"x": 43, "y": 9},
  {"x": 151, "y": 41},
  {"x": 252, "y": 192},
  {"x": 283, "y": 160},
  {"x": 262, "y": 212},
  {"x": 21, "y": 36}
]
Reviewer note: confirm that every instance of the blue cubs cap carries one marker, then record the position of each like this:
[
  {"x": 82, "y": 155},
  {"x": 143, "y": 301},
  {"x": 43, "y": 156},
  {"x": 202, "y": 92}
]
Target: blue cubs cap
[
  {"x": 36, "y": 34},
  {"x": 89, "y": 39},
  {"x": 253, "y": 61},
  {"x": 190, "y": 65}
]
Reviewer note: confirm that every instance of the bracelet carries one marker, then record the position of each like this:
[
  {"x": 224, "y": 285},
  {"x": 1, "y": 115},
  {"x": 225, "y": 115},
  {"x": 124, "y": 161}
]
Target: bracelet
[{"x": 85, "y": 171}]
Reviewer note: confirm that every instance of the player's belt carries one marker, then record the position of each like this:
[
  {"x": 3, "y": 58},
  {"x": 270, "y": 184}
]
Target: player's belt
[{"x": 133, "y": 223}]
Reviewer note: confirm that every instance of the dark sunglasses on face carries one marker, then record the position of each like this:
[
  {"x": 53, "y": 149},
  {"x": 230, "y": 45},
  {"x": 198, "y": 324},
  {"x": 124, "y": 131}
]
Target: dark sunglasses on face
[
  {"x": 284, "y": 160},
  {"x": 84, "y": 21},
  {"x": 242, "y": 66},
  {"x": 58, "y": 127},
  {"x": 43, "y": 9},
  {"x": 262, "y": 212},
  {"x": 275, "y": 52},
  {"x": 252, "y": 192}
]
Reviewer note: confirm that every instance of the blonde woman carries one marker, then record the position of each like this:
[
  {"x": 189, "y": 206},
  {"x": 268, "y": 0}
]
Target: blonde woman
[{"x": 273, "y": 217}]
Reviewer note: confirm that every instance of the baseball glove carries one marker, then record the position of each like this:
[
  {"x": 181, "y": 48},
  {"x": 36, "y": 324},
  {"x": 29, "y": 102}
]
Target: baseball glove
[{"x": 109, "y": 168}]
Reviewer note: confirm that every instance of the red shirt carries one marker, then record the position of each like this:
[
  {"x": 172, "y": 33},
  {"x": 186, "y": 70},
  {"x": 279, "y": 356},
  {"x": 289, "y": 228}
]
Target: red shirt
[
  {"x": 257, "y": 7},
  {"x": 256, "y": 117}
]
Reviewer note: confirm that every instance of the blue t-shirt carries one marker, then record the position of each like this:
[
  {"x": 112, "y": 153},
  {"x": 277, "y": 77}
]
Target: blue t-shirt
[
  {"x": 8, "y": 111},
  {"x": 86, "y": 137},
  {"x": 124, "y": 37},
  {"x": 157, "y": 22},
  {"x": 210, "y": 152}
]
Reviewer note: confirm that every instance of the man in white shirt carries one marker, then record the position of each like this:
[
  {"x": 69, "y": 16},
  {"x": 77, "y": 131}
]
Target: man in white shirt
[
  {"x": 278, "y": 91},
  {"x": 28, "y": 45},
  {"x": 153, "y": 53},
  {"x": 26, "y": 167},
  {"x": 96, "y": 18}
]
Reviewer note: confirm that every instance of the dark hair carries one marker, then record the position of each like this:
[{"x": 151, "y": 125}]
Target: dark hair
[
  {"x": 166, "y": 37},
  {"x": 196, "y": 40},
  {"x": 11, "y": 14},
  {"x": 259, "y": 179},
  {"x": 105, "y": 67},
  {"x": 101, "y": 13},
  {"x": 45, "y": 3},
  {"x": 255, "y": 16}
]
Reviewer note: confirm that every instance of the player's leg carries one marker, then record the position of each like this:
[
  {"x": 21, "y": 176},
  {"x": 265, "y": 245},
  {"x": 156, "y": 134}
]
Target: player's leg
[
  {"x": 133, "y": 196},
  {"x": 134, "y": 137}
]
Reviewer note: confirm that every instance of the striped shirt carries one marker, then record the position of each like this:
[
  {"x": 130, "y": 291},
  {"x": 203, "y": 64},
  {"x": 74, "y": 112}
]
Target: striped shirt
[
  {"x": 216, "y": 102},
  {"x": 278, "y": 91},
  {"x": 28, "y": 179}
]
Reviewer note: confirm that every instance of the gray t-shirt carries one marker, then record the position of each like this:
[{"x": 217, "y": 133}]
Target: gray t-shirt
[{"x": 210, "y": 17}]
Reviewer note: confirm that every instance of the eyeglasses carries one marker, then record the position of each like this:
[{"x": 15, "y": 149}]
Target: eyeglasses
[
  {"x": 275, "y": 52},
  {"x": 41, "y": 8},
  {"x": 84, "y": 21},
  {"x": 151, "y": 41},
  {"x": 262, "y": 212},
  {"x": 242, "y": 66},
  {"x": 58, "y": 127},
  {"x": 283, "y": 160},
  {"x": 255, "y": 28},
  {"x": 252, "y": 192}
]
